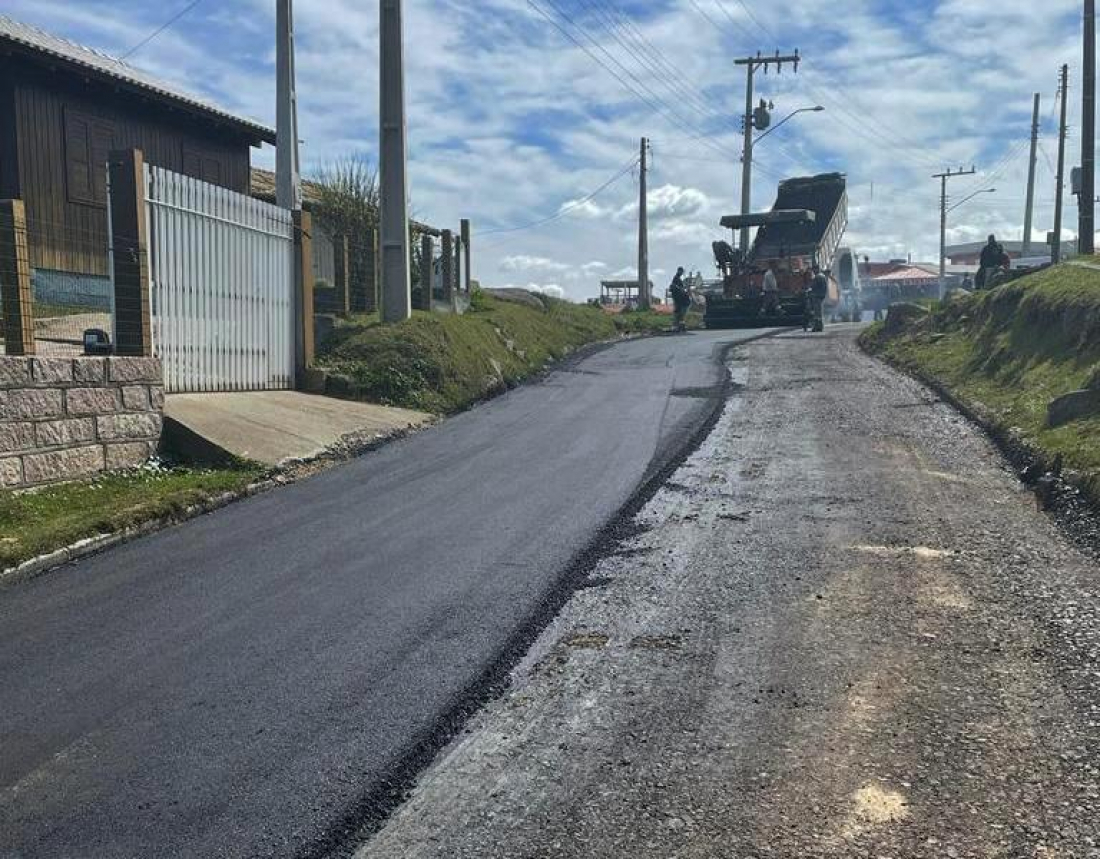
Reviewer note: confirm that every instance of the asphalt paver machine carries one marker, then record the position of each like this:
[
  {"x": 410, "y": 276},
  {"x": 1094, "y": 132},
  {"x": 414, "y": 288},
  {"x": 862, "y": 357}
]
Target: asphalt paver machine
[{"x": 804, "y": 228}]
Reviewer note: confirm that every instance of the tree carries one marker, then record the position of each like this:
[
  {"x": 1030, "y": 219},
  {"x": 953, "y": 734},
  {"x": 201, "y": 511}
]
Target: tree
[{"x": 347, "y": 205}]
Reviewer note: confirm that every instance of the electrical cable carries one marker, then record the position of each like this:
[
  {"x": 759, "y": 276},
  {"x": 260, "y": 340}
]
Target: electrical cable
[
  {"x": 566, "y": 209},
  {"x": 161, "y": 29},
  {"x": 653, "y": 101}
]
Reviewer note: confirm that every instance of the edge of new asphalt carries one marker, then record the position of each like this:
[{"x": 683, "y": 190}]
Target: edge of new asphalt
[{"x": 380, "y": 799}]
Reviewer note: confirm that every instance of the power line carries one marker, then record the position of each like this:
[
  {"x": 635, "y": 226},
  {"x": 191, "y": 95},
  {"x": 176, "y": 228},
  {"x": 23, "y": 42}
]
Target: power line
[
  {"x": 161, "y": 28},
  {"x": 565, "y": 210},
  {"x": 863, "y": 123},
  {"x": 654, "y": 101},
  {"x": 641, "y": 49}
]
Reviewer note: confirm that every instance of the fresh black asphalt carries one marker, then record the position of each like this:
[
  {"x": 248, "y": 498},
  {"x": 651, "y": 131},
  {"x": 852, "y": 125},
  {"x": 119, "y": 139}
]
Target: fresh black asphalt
[{"x": 243, "y": 684}]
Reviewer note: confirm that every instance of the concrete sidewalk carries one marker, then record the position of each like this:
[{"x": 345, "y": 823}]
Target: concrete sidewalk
[{"x": 275, "y": 426}]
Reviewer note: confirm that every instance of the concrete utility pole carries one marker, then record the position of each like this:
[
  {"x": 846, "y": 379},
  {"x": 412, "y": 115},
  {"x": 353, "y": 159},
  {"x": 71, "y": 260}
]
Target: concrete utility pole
[
  {"x": 1086, "y": 202},
  {"x": 943, "y": 177},
  {"x": 458, "y": 264},
  {"x": 644, "y": 297},
  {"x": 752, "y": 66},
  {"x": 288, "y": 177},
  {"x": 396, "y": 289},
  {"x": 1030, "y": 208},
  {"x": 1060, "y": 181}
]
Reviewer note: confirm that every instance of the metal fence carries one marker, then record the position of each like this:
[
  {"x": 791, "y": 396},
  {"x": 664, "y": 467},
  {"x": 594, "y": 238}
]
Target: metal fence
[
  {"x": 70, "y": 285},
  {"x": 221, "y": 286}
]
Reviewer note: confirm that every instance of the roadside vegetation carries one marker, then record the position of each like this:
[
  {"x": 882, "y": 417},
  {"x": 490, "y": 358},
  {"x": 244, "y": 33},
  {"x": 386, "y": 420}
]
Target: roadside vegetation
[
  {"x": 1008, "y": 353},
  {"x": 37, "y": 521},
  {"x": 444, "y": 363}
]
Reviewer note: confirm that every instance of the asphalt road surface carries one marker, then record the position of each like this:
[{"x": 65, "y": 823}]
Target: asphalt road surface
[
  {"x": 841, "y": 629},
  {"x": 247, "y": 684}
]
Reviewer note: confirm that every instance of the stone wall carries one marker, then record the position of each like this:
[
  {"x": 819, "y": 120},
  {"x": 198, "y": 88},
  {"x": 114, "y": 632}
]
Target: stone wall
[{"x": 64, "y": 418}]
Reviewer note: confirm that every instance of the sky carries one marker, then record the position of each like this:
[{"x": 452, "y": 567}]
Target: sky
[{"x": 519, "y": 109}]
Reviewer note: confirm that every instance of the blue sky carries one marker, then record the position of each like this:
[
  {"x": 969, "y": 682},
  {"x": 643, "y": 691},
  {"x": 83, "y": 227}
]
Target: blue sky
[{"x": 510, "y": 121}]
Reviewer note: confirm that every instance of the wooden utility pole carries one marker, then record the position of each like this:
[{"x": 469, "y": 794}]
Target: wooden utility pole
[
  {"x": 752, "y": 66},
  {"x": 643, "y": 232},
  {"x": 427, "y": 253},
  {"x": 16, "y": 303},
  {"x": 129, "y": 252},
  {"x": 396, "y": 288},
  {"x": 305, "y": 347},
  {"x": 288, "y": 178},
  {"x": 943, "y": 177},
  {"x": 1086, "y": 202},
  {"x": 1030, "y": 208},
  {"x": 1060, "y": 181}
]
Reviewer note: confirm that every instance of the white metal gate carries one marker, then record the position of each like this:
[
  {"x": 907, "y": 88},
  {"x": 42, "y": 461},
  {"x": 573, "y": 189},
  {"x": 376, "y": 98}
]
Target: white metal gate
[{"x": 221, "y": 272}]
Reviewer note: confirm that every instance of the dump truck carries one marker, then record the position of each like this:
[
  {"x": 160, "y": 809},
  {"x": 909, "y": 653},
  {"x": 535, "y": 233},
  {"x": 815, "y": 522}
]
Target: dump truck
[{"x": 804, "y": 228}]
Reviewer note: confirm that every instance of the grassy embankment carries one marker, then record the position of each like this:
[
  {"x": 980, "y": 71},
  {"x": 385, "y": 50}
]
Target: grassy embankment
[
  {"x": 38, "y": 521},
  {"x": 442, "y": 364},
  {"x": 1007, "y": 353}
]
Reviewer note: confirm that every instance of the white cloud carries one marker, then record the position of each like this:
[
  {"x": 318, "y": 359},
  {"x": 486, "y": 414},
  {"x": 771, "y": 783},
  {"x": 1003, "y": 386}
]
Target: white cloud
[
  {"x": 510, "y": 124},
  {"x": 523, "y": 262}
]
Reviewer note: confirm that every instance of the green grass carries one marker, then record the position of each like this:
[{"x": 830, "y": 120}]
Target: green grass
[
  {"x": 651, "y": 322},
  {"x": 443, "y": 363},
  {"x": 38, "y": 521},
  {"x": 1011, "y": 351}
]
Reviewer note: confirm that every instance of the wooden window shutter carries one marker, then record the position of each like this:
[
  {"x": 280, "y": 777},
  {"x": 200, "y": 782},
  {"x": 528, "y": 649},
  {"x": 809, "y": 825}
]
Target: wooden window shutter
[
  {"x": 192, "y": 163},
  {"x": 212, "y": 171},
  {"x": 78, "y": 175},
  {"x": 88, "y": 144},
  {"x": 102, "y": 142}
]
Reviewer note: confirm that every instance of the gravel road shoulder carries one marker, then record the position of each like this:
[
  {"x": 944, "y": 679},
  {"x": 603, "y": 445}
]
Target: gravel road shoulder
[{"x": 842, "y": 629}]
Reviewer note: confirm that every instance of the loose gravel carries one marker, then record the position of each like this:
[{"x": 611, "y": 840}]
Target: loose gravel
[{"x": 841, "y": 629}]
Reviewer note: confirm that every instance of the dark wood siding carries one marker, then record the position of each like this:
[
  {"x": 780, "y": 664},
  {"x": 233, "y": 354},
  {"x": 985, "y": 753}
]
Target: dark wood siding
[
  {"x": 62, "y": 132},
  {"x": 9, "y": 153}
]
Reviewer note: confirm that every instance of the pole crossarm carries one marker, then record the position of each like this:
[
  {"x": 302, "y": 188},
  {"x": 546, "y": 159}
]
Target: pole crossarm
[{"x": 760, "y": 61}]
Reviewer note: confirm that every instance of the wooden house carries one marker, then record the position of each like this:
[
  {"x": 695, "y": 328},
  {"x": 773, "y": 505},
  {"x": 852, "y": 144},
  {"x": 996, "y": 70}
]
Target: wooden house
[{"x": 63, "y": 107}]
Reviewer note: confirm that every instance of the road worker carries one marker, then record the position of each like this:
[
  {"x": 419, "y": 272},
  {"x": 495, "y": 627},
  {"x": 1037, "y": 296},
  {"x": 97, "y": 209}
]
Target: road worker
[
  {"x": 816, "y": 295},
  {"x": 770, "y": 305},
  {"x": 681, "y": 299}
]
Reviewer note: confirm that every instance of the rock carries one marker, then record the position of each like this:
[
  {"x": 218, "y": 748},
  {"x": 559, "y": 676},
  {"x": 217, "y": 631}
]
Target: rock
[
  {"x": 901, "y": 316},
  {"x": 1073, "y": 406},
  {"x": 518, "y": 296}
]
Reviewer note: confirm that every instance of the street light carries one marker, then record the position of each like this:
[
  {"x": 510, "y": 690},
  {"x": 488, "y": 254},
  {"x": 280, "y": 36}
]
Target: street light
[
  {"x": 816, "y": 109},
  {"x": 746, "y": 162},
  {"x": 944, "y": 211},
  {"x": 971, "y": 197}
]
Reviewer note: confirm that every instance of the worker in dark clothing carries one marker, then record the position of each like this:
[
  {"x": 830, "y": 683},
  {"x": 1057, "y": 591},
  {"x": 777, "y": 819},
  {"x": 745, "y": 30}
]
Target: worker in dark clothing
[
  {"x": 993, "y": 257},
  {"x": 681, "y": 298},
  {"x": 817, "y": 293}
]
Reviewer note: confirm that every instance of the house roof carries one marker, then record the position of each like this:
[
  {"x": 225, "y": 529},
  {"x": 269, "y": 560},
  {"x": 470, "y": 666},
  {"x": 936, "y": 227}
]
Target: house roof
[
  {"x": 87, "y": 60},
  {"x": 909, "y": 272},
  {"x": 262, "y": 187}
]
